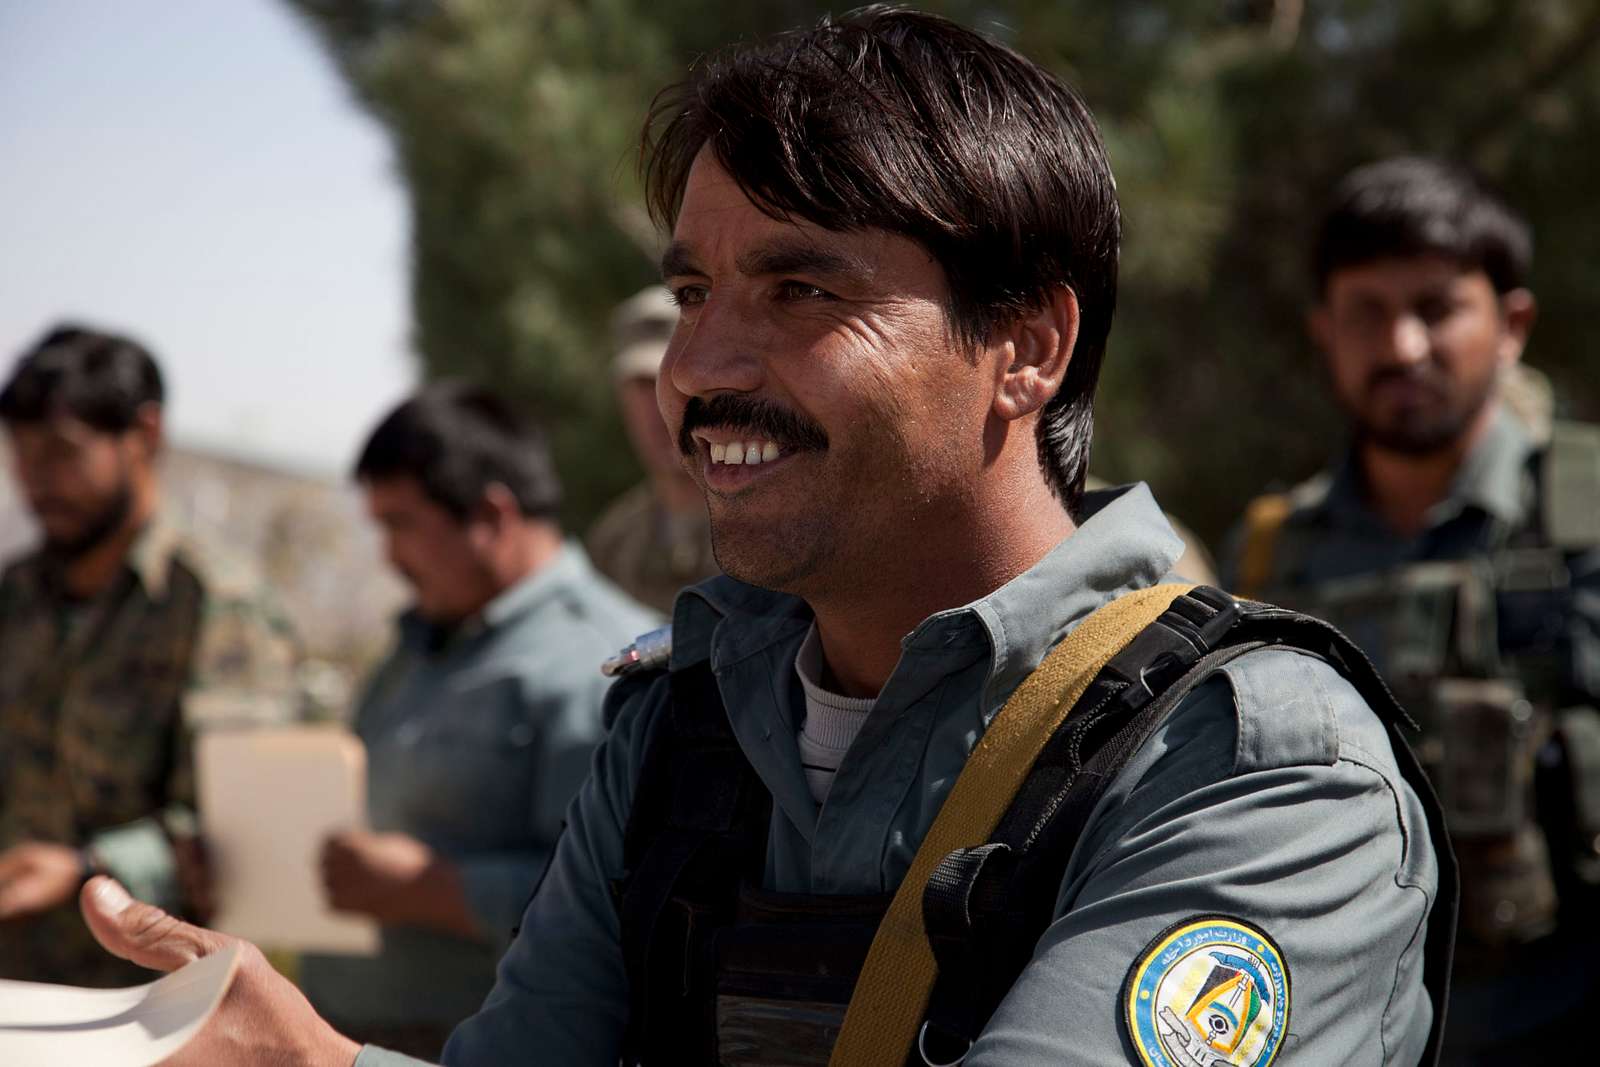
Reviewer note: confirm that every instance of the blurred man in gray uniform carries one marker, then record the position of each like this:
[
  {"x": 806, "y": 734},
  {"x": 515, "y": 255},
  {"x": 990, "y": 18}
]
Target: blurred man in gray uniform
[
  {"x": 480, "y": 724},
  {"x": 894, "y": 251},
  {"x": 1458, "y": 541}
]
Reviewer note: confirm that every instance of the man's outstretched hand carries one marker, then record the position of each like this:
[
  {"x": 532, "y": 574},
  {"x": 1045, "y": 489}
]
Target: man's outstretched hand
[{"x": 263, "y": 1019}]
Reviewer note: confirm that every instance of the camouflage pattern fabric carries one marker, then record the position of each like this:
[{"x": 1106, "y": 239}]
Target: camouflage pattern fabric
[
  {"x": 98, "y": 703},
  {"x": 648, "y": 553}
]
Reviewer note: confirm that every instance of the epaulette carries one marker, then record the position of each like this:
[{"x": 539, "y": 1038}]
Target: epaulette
[{"x": 648, "y": 652}]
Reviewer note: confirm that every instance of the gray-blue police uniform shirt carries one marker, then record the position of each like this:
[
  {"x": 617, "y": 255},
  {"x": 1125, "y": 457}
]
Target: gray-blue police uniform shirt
[
  {"x": 477, "y": 739},
  {"x": 1269, "y": 797}
]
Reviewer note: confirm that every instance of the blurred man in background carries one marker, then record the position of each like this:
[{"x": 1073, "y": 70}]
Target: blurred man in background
[
  {"x": 480, "y": 724},
  {"x": 119, "y": 635},
  {"x": 655, "y": 539},
  {"x": 1457, "y": 541}
]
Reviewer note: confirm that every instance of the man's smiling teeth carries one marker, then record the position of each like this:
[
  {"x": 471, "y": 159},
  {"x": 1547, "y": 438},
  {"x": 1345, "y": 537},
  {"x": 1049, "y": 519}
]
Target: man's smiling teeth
[{"x": 749, "y": 453}]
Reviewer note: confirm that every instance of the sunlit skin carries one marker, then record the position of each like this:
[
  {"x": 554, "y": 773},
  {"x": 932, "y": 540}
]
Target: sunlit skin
[
  {"x": 929, "y": 493},
  {"x": 1415, "y": 348}
]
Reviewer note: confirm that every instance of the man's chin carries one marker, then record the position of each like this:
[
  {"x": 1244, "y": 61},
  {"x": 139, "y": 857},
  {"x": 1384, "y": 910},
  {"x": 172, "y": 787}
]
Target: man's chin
[
  {"x": 1415, "y": 437},
  {"x": 765, "y": 559}
]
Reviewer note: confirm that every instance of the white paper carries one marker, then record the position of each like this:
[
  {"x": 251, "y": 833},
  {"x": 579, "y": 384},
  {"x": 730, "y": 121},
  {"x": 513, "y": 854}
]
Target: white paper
[
  {"x": 268, "y": 800},
  {"x": 51, "y": 1025}
]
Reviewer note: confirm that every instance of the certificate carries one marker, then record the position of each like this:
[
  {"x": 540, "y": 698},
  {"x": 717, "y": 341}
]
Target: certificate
[{"x": 268, "y": 799}]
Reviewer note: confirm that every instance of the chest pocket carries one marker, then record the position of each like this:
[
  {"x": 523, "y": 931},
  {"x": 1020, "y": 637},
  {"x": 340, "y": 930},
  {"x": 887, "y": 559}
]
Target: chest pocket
[
  {"x": 462, "y": 772},
  {"x": 119, "y": 711}
]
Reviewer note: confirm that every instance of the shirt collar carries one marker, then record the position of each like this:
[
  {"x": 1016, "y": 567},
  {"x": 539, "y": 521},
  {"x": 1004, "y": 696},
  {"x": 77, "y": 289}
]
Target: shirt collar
[
  {"x": 1123, "y": 543},
  {"x": 1491, "y": 478},
  {"x": 565, "y": 569},
  {"x": 150, "y": 556}
]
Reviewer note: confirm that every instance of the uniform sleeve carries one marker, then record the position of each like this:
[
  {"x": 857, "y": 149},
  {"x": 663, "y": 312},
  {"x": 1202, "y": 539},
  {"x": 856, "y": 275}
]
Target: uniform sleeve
[
  {"x": 139, "y": 855},
  {"x": 1268, "y": 803},
  {"x": 373, "y": 1056},
  {"x": 561, "y": 987}
]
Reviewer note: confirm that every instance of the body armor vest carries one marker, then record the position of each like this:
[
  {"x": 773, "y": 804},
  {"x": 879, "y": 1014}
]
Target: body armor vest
[
  {"x": 722, "y": 971},
  {"x": 1482, "y": 652}
]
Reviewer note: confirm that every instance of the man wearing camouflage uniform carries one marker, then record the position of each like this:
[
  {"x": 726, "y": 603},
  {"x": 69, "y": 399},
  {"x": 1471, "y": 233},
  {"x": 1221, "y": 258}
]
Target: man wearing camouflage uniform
[
  {"x": 118, "y": 636},
  {"x": 655, "y": 539},
  {"x": 1457, "y": 544}
]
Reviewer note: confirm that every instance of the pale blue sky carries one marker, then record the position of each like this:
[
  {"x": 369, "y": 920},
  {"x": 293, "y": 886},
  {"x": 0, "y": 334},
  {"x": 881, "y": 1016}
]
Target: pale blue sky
[{"x": 193, "y": 172}]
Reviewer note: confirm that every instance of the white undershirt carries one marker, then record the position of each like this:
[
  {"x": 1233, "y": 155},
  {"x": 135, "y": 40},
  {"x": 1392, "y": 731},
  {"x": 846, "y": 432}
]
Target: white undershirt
[{"x": 832, "y": 721}]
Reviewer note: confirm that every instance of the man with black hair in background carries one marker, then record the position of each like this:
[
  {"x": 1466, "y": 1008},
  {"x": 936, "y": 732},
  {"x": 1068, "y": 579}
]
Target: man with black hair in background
[
  {"x": 480, "y": 724},
  {"x": 119, "y": 636},
  {"x": 1457, "y": 540}
]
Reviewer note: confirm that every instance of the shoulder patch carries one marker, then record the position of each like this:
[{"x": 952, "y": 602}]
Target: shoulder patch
[{"x": 1209, "y": 991}]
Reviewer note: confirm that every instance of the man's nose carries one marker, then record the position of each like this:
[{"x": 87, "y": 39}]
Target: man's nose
[
  {"x": 715, "y": 352},
  {"x": 1408, "y": 340}
]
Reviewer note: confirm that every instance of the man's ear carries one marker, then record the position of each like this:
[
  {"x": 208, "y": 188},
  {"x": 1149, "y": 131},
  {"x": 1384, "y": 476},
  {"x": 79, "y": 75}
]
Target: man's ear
[
  {"x": 149, "y": 429},
  {"x": 497, "y": 510},
  {"x": 491, "y": 517},
  {"x": 1034, "y": 354},
  {"x": 1520, "y": 310}
]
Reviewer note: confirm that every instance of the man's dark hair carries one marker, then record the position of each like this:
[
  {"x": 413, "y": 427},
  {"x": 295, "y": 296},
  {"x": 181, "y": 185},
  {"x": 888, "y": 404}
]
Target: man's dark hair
[
  {"x": 906, "y": 122},
  {"x": 1410, "y": 206},
  {"x": 457, "y": 439},
  {"x": 98, "y": 378}
]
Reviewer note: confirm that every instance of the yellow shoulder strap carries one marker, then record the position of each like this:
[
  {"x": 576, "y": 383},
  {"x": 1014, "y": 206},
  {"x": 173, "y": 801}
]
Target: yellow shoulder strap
[
  {"x": 1263, "y": 521},
  {"x": 892, "y": 992}
]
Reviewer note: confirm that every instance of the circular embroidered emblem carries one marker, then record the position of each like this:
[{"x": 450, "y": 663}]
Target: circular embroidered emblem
[{"x": 1210, "y": 991}]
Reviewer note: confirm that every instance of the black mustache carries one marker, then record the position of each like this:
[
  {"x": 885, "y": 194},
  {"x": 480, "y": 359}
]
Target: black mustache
[
  {"x": 761, "y": 418},
  {"x": 1382, "y": 375}
]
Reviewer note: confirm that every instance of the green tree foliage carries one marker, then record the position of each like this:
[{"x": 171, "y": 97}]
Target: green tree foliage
[{"x": 516, "y": 123}]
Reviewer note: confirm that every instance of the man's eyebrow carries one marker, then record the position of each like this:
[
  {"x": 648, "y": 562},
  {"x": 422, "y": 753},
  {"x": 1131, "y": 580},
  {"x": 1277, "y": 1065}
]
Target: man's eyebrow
[
  {"x": 677, "y": 260},
  {"x": 801, "y": 257}
]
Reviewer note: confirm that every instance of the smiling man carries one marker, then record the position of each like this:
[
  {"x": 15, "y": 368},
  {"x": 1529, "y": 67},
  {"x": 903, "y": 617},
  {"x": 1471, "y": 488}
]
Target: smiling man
[
  {"x": 894, "y": 251},
  {"x": 1461, "y": 548}
]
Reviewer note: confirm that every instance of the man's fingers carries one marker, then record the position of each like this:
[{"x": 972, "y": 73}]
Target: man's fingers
[
  {"x": 142, "y": 933},
  {"x": 20, "y": 896}
]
